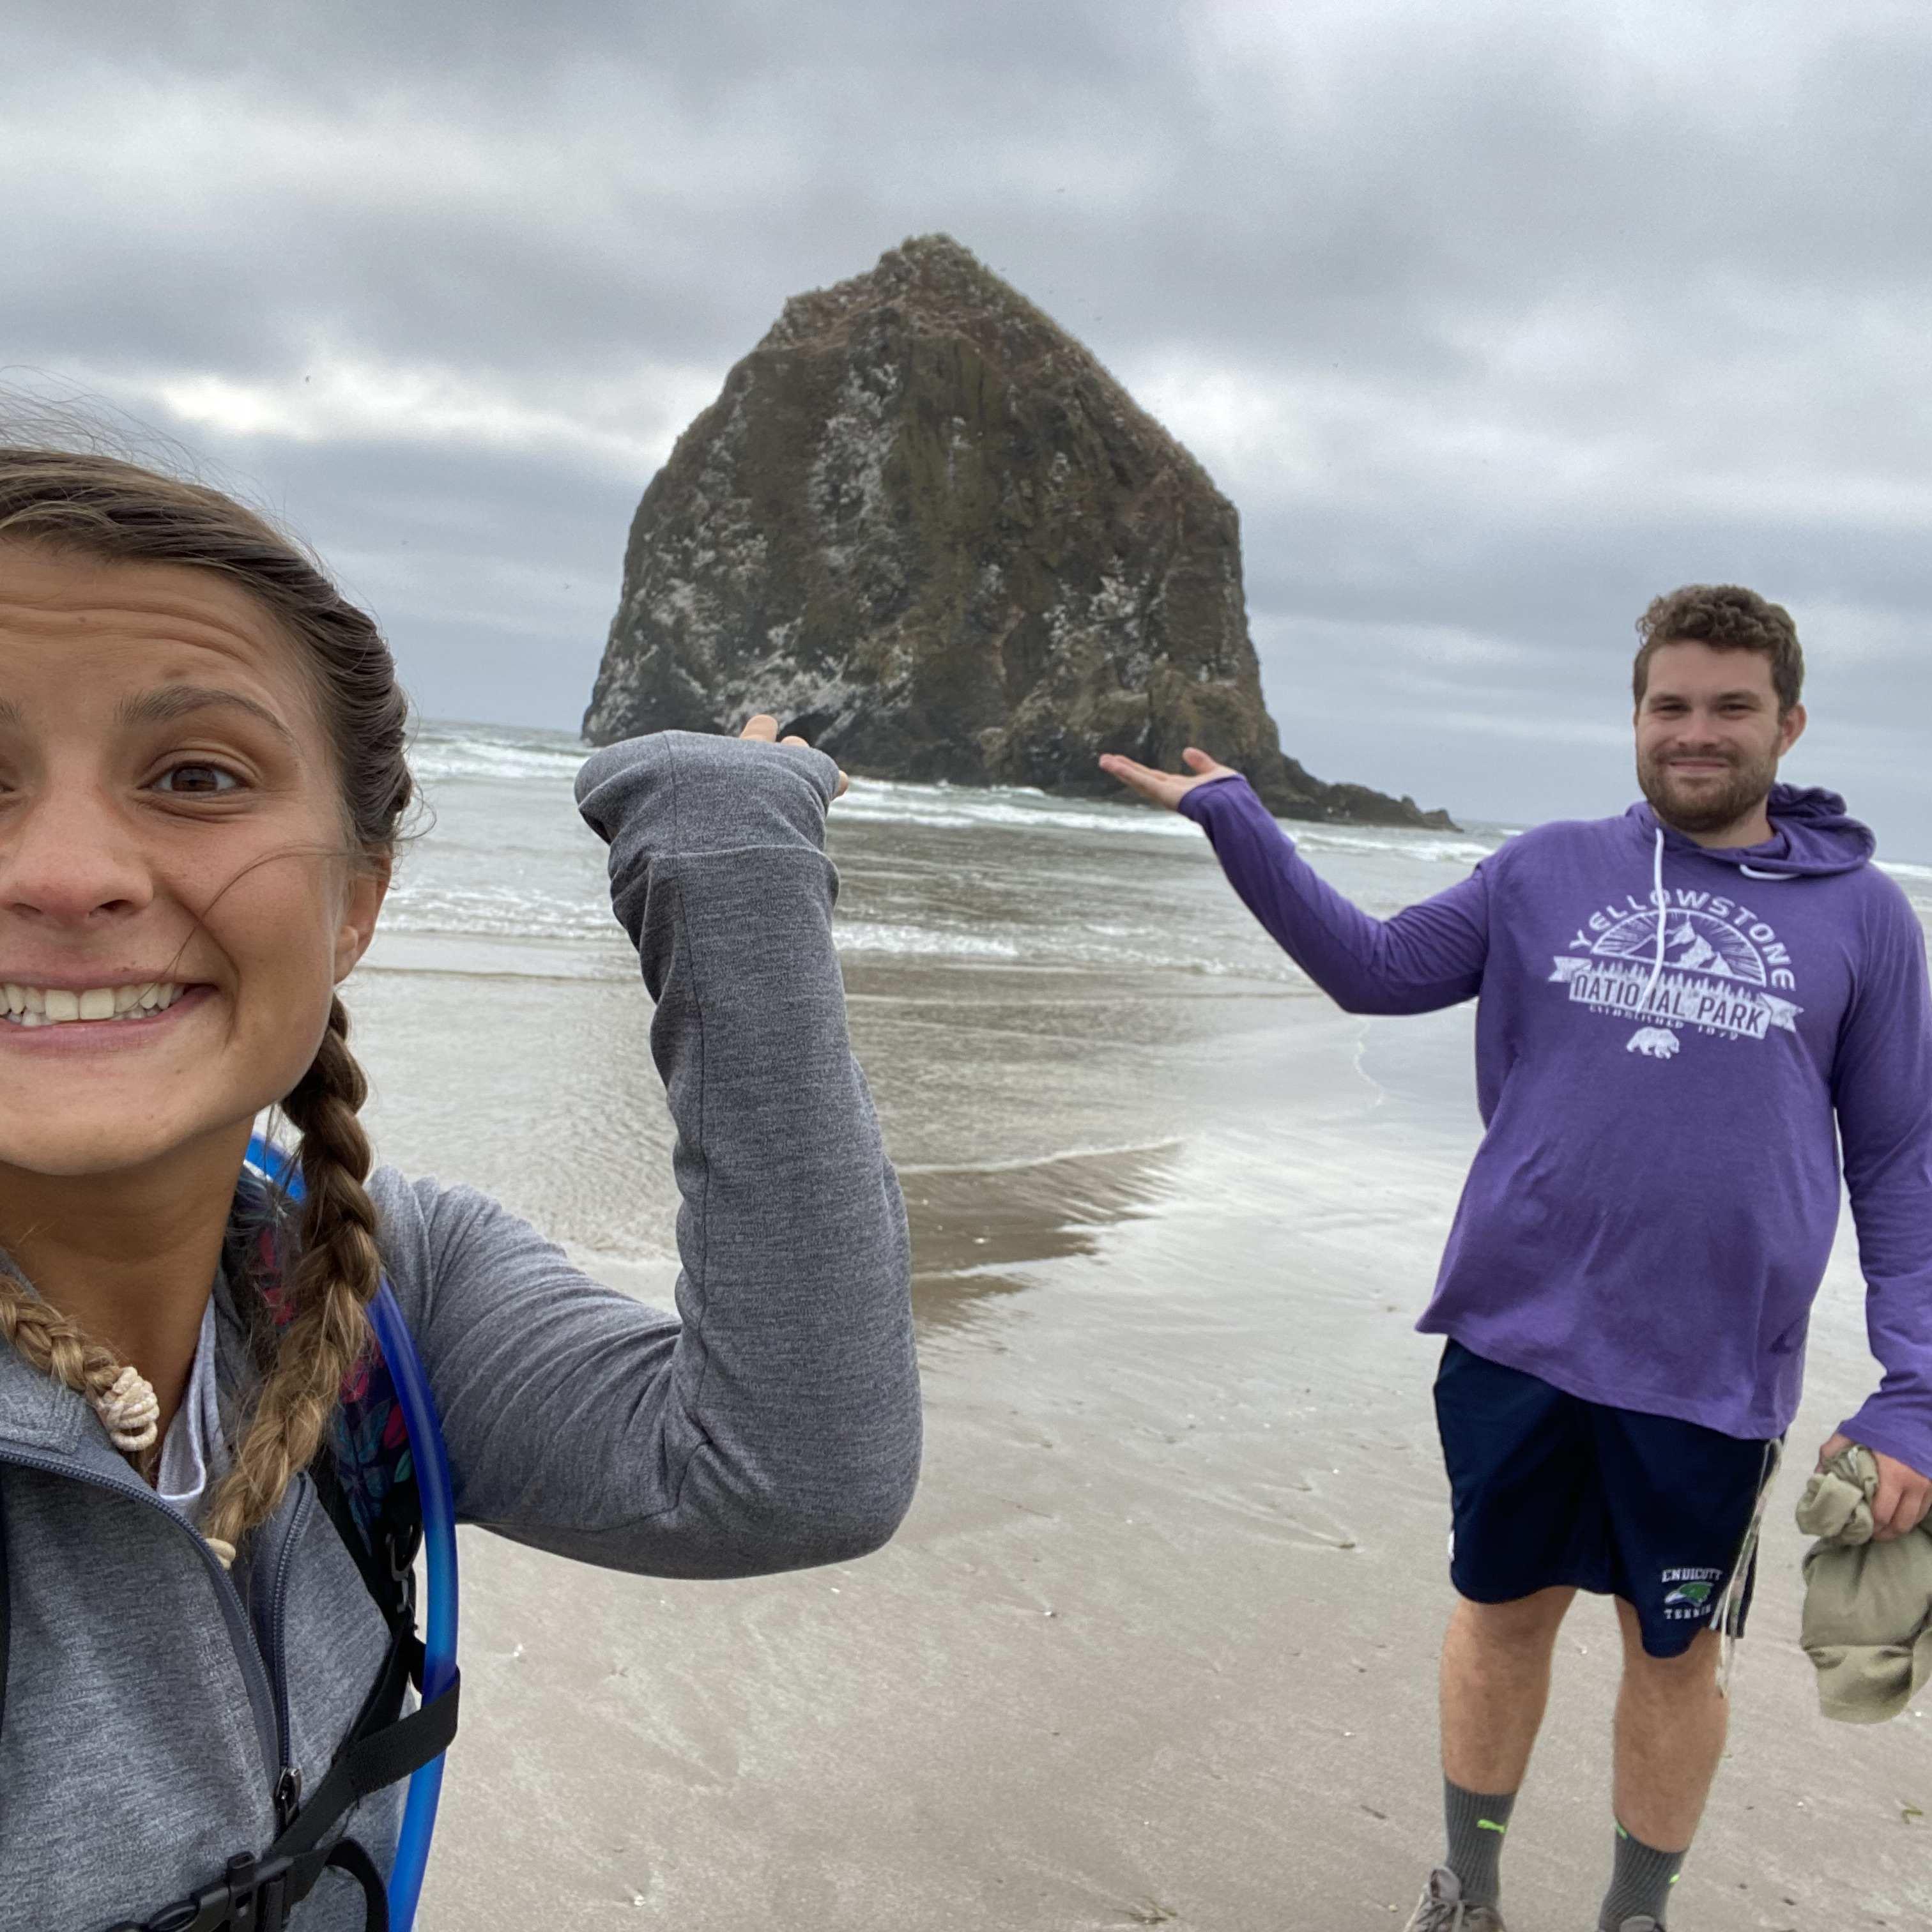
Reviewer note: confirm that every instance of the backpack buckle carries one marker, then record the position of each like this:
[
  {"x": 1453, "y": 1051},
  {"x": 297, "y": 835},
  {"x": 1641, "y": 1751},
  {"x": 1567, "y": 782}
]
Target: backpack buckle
[
  {"x": 246, "y": 1899},
  {"x": 401, "y": 1549}
]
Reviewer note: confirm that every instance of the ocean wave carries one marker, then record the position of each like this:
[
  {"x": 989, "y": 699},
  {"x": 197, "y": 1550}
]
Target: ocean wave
[
  {"x": 962, "y": 807},
  {"x": 919, "y": 941},
  {"x": 501, "y": 912},
  {"x": 1064, "y": 949},
  {"x": 442, "y": 753},
  {"x": 1025, "y": 879},
  {"x": 1427, "y": 848}
]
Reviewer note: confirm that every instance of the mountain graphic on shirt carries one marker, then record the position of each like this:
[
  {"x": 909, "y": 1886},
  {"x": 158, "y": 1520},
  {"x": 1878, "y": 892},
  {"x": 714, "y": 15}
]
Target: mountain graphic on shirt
[
  {"x": 1695, "y": 953},
  {"x": 1694, "y": 941}
]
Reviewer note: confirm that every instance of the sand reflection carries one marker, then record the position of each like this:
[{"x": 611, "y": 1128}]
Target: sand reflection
[{"x": 976, "y": 1230}]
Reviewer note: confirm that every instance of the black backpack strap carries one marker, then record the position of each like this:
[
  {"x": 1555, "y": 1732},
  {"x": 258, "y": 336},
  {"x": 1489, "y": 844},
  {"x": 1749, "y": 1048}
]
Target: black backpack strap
[
  {"x": 349, "y": 1856},
  {"x": 370, "y": 1764},
  {"x": 388, "y": 1572},
  {"x": 257, "y": 1894},
  {"x": 6, "y": 1622}
]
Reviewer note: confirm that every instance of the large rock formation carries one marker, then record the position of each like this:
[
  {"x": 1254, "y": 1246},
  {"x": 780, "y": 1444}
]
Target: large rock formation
[{"x": 925, "y": 527}]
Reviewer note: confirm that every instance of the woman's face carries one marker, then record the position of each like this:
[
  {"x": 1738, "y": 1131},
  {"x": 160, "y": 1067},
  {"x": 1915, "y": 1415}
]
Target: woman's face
[{"x": 178, "y": 897}]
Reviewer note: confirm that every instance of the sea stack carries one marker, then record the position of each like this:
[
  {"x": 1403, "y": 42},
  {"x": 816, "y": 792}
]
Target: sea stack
[{"x": 925, "y": 527}]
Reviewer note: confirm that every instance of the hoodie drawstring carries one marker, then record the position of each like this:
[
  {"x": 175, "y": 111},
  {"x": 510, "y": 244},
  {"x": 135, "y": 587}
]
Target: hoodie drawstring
[
  {"x": 1664, "y": 909},
  {"x": 1663, "y": 919}
]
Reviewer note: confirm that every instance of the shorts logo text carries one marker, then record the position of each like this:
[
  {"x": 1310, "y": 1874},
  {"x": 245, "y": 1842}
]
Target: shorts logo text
[{"x": 1689, "y": 1599}]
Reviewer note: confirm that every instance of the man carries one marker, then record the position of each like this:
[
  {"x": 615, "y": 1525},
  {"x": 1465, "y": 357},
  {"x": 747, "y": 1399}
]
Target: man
[{"x": 1682, "y": 1012}]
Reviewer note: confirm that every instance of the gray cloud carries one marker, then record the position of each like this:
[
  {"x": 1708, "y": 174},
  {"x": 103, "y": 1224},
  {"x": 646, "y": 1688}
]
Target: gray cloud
[{"x": 1493, "y": 323}]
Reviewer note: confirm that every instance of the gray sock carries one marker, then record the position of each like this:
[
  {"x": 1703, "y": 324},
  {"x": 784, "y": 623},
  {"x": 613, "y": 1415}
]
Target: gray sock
[
  {"x": 1640, "y": 1885},
  {"x": 1477, "y": 1825}
]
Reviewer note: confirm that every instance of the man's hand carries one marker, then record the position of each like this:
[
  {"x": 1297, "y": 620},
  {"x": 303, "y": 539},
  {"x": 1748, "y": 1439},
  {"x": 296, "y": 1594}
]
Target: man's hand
[
  {"x": 1904, "y": 1496},
  {"x": 764, "y": 728},
  {"x": 1167, "y": 788}
]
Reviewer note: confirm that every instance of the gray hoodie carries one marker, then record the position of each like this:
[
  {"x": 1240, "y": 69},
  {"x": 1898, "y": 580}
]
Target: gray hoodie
[{"x": 153, "y": 1703}]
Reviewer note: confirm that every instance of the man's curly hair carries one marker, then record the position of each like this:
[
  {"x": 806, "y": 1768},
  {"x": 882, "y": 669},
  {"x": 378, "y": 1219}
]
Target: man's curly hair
[{"x": 1727, "y": 617}]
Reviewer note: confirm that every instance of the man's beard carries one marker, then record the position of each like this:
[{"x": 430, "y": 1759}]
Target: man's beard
[{"x": 1748, "y": 786}]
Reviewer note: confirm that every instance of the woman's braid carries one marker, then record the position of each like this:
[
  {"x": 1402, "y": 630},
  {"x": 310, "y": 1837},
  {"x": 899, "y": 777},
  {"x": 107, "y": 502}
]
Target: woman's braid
[
  {"x": 46, "y": 1340},
  {"x": 334, "y": 1276}
]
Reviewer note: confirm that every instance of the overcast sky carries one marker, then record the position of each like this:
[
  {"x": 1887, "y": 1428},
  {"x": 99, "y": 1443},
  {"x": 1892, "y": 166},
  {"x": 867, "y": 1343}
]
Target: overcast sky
[{"x": 1493, "y": 319}]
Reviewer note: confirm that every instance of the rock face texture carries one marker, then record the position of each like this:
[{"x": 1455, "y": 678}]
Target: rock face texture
[{"x": 925, "y": 528}]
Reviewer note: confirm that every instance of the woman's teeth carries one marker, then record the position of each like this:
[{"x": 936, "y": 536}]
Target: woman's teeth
[{"x": 55, "y": 1005}]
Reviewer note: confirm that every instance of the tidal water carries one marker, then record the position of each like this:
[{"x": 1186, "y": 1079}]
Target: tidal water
[
  {"x": 1042, "y": 989},
  {"x": 1032, "y": 979}
]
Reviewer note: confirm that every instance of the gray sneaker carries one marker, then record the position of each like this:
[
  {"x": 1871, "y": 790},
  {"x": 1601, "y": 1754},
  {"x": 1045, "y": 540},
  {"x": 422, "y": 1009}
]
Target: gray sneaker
[
  {"x": 1643, "y": 1923},
  {"x": 1441, "y": 1909}
]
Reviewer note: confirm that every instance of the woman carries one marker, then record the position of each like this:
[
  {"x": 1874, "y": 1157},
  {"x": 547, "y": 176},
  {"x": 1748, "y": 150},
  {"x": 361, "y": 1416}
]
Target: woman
[{"x": 201, "y": 774}]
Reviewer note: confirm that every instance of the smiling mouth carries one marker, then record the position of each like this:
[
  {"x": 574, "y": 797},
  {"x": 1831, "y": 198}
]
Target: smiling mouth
[{"x": 30, "y": 1007}]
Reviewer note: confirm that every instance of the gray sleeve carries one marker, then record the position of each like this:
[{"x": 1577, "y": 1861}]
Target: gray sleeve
[{"x": 777, "y": 1424}]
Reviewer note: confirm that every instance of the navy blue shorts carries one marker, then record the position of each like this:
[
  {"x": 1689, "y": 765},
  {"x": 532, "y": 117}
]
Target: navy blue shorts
[{"x": 1549, "y": 1489}]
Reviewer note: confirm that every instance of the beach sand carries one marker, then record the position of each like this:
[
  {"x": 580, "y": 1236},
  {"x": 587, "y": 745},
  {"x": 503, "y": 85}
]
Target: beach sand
[{"x": 1156, "y": 1644}]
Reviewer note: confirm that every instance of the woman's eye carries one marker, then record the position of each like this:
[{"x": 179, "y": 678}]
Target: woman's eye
[{"x": 197, "y": 781}]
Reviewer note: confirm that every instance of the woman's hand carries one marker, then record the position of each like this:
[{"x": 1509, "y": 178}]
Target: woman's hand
[
  {"x": 764, "y": 728},
  {"x": 1167, "y": 788}
]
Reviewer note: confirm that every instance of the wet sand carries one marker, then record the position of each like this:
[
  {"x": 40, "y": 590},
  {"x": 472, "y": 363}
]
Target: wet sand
[{"x": 1156, "y": 1646}]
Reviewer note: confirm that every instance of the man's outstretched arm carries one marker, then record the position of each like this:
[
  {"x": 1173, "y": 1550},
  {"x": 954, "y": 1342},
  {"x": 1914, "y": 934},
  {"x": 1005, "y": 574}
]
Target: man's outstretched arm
[
  {"x": 1882, "y": 1082},
  {"x": 1428, "y": 956}
]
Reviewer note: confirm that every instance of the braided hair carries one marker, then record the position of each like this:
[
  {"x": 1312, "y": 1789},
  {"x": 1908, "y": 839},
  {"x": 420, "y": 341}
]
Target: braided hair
[{"x": 116, "y": 511}]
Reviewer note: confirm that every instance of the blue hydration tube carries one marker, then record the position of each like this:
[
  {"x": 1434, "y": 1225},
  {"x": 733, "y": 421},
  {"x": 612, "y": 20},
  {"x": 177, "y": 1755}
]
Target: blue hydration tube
[{"x": 431, "y": 1462}]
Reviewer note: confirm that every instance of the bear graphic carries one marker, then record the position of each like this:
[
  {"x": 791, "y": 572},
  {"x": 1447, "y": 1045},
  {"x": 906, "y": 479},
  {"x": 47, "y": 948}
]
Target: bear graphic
[{"x": 1659, "y": 1043}]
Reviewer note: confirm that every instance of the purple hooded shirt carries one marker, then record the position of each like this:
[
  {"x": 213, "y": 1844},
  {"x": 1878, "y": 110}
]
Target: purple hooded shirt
[{"x": 1672, "y": 1043}]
